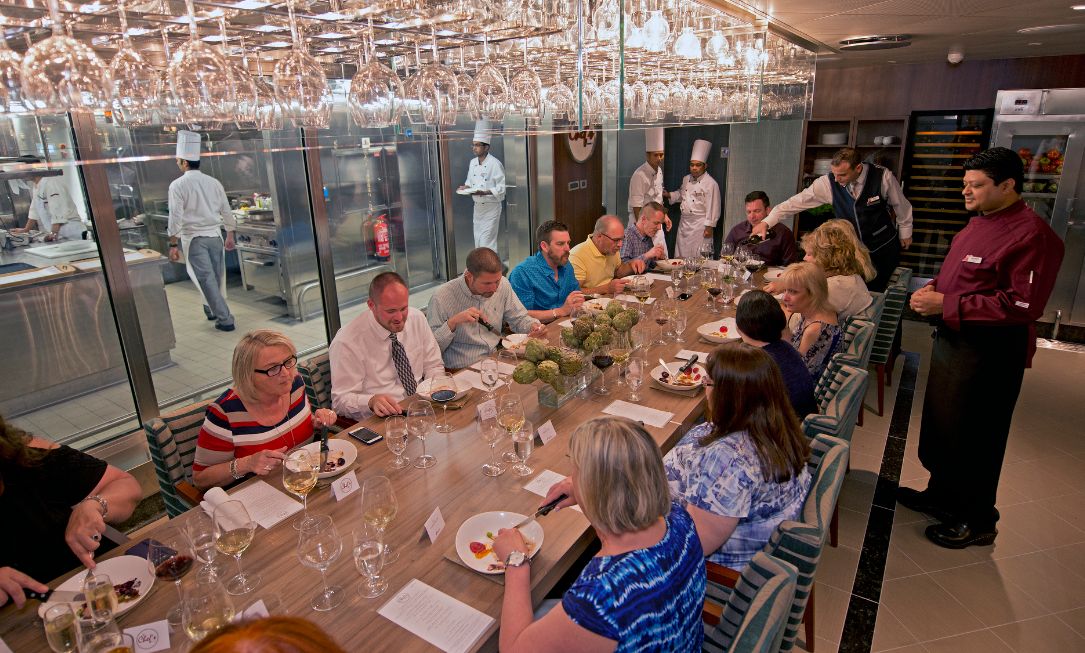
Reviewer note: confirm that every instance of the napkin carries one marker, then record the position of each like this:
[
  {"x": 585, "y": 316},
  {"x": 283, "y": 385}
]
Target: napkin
[
  {"x": 632, "y": 299},
  {"x": 650, "y": 416},
  {"x": 212, "y": 499}
]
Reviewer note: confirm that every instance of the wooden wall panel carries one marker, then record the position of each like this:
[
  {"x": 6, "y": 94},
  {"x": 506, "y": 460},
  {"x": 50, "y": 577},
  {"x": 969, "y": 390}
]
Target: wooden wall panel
[
  {"x": 578, "y": 208},
  {"x": 899, "y": 90}
]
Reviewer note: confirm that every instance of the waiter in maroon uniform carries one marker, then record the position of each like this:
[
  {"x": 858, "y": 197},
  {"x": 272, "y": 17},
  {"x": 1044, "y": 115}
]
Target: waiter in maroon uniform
[{"x": 992, "y": 287}]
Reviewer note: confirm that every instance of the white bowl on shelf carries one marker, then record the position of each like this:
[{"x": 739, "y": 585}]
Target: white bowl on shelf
[{"x": 834, "y": 138}]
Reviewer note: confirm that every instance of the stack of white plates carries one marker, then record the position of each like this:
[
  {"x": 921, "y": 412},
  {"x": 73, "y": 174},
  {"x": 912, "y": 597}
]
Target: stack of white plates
[
  {"x": 823, "y": 166},
  {"x": 834, "y": 138}
]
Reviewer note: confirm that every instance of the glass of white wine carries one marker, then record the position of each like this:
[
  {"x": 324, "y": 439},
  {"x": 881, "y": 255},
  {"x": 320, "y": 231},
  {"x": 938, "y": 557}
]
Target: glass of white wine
[
  {"x": 234, "y": 531},
  {"x": 100, "y": 595},
  {"x": 395, "y": 436},
  {"x": 369, "y": 559},
  {"x": 206, "y": 608},
  {"x": 379, "y": 508},
  {"x": 523, "y": 441},
  {"x": 301, "y": 469},
  {"x": 61, "y": 629},
  {"x": 319, "y": 545},
  {"x": 113, "y": 643},
  {"x": 420, "y": 419},
  {"x": 510, "y": 416}
]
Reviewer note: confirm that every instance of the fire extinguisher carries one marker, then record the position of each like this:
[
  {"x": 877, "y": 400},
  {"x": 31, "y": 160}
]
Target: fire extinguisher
[{"x": 382, "y": 239}]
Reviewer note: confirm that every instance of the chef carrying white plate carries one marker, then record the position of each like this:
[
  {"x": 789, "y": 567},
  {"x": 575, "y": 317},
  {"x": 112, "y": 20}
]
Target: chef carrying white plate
[
  {"x": 486, "y": 176},
  {"x": 198, "y": 211},
  {"x": 51, "y": 207}
]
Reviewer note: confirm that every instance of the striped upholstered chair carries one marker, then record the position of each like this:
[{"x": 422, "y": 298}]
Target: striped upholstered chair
[
  {"x": 172, "y": 440},
  {"x": 756, "y": 611},
  {"x": 316, "y": 372},
  {"x": 882, "y": 356},
  {"x": 839, "y": 397},
  {"x": 858, "y": 342},
  {"x": 872, "y": 313}
]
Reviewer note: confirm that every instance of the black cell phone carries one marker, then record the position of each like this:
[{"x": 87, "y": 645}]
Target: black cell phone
[
  {"x": 684, "y": 296},
  {"x": 364, "y": 435}
]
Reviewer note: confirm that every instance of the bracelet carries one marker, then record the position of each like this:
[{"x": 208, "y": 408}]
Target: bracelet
[
  {"x": 102, "y": 503},
  {"x": 233, "y": 470}
]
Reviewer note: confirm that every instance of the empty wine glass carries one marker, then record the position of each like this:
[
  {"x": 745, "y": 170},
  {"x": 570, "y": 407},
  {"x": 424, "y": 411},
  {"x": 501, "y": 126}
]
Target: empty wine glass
[
  {"x": 319, "y": 545},
  {"x": 395, "y": 436},
  {"x": 525, "y": 93},
  {"x": 523, "y": 443},
  {"x": 487, "y": 369},
  {"x": 301, "y": 469},
  {"x": 491, "y": 432},
  {"x": 205, "y": 609},
  {"x": 234, "y": 532},
  {"x": 369, "y": 559},
  {"x": 679, "y": 318},
  {"x": 490, "y": 93},
  {"x": 561, "y": 102},
  {"x": 61, "y": 73},
  {"x": 11, "y": 78},
  {"x": 443, "y": 389},
  {"x": 634, "y": 375},
  {"x": 200, "y": 529},
  {"x": 420, "y": 420},
  {"x": 379, "y": 508},
  {"x": 170, "y": 558},
  {"x": 61, "y": 628}
]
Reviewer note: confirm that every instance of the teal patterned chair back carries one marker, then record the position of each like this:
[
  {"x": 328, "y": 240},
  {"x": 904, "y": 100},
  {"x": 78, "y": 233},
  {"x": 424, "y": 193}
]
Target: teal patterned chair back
[
  {"x": 828, "y": 465},
  {"x": 172, "y": 440},
  {"x": 316, "y": 372},
  {"x": 872, "y": 313},
  {"x": 840, "y": 402},
  {"x": 901, "y": 277},
  {"x": 895, "y": 297},
  {"x": 798, "y": 544},
  {"x": 757, "y": 609},
  {"x": 858, "y": 341}
]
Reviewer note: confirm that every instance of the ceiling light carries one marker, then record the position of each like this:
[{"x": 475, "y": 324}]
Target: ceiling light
[
  {"x": 268, "y": 28},
  {"x": 332, "y": 35},
  {"x": 250, "y": 4},
  {"x": 278, "y": 44},
  {"x": 1050, "y": 29},
  {"x": 877, "y": 42},
  {"x": 1078, "y": 7},
  {"x": 330, "y": 15}
]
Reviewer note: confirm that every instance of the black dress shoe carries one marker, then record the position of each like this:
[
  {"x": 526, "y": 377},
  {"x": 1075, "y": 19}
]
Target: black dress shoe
[
  {"x": 923, "y": 502},
  {"x": 960, "y": 535},
  {"x": 225, "y": 327}
]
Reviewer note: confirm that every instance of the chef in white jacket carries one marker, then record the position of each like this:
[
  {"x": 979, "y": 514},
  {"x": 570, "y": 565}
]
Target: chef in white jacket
[
  {"x": 486, "y": 178},
  {"x": 700, "y": 197},
  {"x": 646, "y": 184},
  {"x": 51, "y": 207},
  {"x": 198, "y": 211}
]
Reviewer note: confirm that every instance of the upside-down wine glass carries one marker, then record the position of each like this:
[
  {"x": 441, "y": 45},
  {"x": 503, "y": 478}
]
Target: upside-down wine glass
[
  {"x": 64, "y": 74},
  {"x": 11, "y": 78},
  {"x": 201, "y": 79},
  {"x": 134, "y": 80},
  {"x": 300, "y": 84}
]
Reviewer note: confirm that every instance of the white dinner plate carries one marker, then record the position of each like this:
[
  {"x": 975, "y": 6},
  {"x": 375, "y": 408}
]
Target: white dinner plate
[
  {"x": 474, "y": 529},
  {"x": 596, "y": 305},
  {"x": 337, "y": 448},
  {"x": 120, "y": 570},
  {"x": 515, "y": 342},
  {"x": 672, "y": 369},
  {"x": 466, "y": 191},
  {"x": 711, "y": 331},
  {"x": 669, "y": 263},
  {"x": 773, "y": 273},
  {"x": 424, "y": 388}
]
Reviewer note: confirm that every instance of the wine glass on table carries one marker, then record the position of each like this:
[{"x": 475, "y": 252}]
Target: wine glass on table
[
  {"x": 642, "y": 290},
  {"x": 319, "y": 545},
  {"x": 379, "y": 508},
  {"x": 634, "y": 375},
  {"x": 369, "y": 559},
  {"x": 523, "y": 441},
  {"x": 95, "y": 634},
  {"x": 206, "y": 608},
  {"x": 510, "y": 416},
  {"x": 491, "y": 432},
  {"x": 420, "y": 419},
  {"x": 707, "y": 252},
  {"x": 619, "y": 349},
  {"x": 170, "y": 557},
  {"x": 689, "y": 270},
  {"x": 679, "y": 319},
  {"x": 676, "y": 276},
  {"x": 661, "y": 316},
  {"x": 200, "y": 528},
  {"x": 442, "y": 390},
  {"x": 714, "y": 289},
  {"x": 602, "y": 359},
  {"x": 395, "y": 436},
  {"x": 487, "y": 371},
  {"x": 727, "y": 252},
  {"x": 301, "y": 468},
  {"x": 234, "y": 532},
  {"x": 61, "y": 629}
]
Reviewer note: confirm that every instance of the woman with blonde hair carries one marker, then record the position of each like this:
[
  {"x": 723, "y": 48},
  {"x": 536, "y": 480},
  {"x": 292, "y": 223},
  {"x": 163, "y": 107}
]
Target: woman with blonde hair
[
  {"x": 845, "y": 261},
  {"x": 817, "y": 336},
  {"x": 269, "y": 635},
  {"x": 249, "y": 428},
  {"x": 645, "y": 588},
  {"x": 744, "y": 472}
]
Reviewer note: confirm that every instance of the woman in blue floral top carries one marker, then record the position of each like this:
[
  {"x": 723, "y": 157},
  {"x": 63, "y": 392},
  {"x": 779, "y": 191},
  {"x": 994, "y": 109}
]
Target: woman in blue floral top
[
  {"x": 818, "y": 335},
  {"x": 644, "y": 590},
  {"x": 744, "y": 472}
]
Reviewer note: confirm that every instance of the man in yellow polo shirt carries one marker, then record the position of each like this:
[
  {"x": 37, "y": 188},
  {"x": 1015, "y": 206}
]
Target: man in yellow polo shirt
[{"x": 597, "y": 264}]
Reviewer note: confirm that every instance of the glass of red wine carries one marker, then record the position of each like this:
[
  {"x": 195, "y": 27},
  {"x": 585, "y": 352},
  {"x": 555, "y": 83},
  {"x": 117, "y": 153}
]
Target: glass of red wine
[
  {"x": 170, "y": 557},
  {"x": 602, "y": 359}
]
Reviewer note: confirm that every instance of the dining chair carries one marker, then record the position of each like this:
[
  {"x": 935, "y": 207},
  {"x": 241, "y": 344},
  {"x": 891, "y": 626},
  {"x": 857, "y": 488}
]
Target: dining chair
[
  {"x": 756, "y": 612},
  {"x": 858, "y": 345},
  {"x": 873, "y": 312},
  {"x": 882, "y": 356},
  {"x": 172, "y": 441},
  {"x": 316, "y": 372}
]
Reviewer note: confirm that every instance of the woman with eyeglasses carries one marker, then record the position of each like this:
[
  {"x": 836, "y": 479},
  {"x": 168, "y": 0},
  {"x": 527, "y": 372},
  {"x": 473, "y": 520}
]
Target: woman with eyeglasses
[{"x": 249, "y": 428}]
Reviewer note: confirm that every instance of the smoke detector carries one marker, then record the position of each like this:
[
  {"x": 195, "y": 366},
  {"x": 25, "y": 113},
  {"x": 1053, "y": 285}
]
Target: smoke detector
[{"x": 877, "y": 42}]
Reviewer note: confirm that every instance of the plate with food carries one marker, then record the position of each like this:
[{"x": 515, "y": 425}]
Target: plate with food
[
  {"x": 132, "y": 580},
  {"x": 668, "y": 264},
  {"x": 466, "y": 190},
  {"x": 671, "y": 377},
  {"x": 475, "y": 539},
  {"x": 341, "y": 456},
  {"x": 515, "y": 342},
  {"x": 773, "y": 273},
  {"x": 425, "y": 385},
  {"x": 596, "y": 305},
  {"x": 719, "y": 331}
]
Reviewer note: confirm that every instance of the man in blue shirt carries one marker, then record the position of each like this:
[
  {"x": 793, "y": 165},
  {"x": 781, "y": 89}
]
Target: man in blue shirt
[
  {"x": 545, "y": 282},
  {"x": 640, "y": 240}
]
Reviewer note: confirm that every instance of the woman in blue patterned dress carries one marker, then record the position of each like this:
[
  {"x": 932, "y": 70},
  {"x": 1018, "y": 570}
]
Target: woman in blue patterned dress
[
  {"x": 744, "y": 472},
  {"x": 645, "y": 588},
  {"x": 817, "y": 336}
]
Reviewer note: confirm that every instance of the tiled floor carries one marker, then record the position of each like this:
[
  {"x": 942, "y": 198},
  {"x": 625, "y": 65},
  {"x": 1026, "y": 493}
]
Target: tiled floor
[{"x": 1026, "y": 592}]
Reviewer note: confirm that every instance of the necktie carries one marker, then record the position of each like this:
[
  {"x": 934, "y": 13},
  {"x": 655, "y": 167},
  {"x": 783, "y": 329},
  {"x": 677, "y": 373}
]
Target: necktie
[{"x": 403, "y": 366}]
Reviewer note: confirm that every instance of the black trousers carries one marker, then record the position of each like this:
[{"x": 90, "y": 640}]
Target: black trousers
[
  {"x": 975, "y": 377},
  {"x": 885, "y": 260}
]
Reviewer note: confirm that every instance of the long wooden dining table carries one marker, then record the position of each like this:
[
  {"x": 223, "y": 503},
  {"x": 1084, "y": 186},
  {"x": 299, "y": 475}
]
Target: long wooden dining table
[{"x": 457, "y": 486}]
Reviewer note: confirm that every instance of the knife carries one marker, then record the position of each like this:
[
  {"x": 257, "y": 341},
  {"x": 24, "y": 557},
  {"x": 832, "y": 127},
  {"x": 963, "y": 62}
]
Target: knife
[
  {"x": 323, "y": 446},
  {"x": 542, "y": 511},
  {"x": 688, "y": 366},
  {"x": 483, "y": 322},
  {"x": 55, "y": 596}
]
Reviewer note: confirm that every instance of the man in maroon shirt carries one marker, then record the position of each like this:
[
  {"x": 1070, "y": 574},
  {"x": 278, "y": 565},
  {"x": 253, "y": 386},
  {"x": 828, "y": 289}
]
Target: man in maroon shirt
[
  {"x": 777, "y": 249},
  {"x": 992, "y": 287}
]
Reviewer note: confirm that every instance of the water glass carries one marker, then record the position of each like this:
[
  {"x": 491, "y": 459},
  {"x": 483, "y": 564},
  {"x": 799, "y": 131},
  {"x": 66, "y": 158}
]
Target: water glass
[
  {"x": 523, "y": 442},
  {"x": 634, "y": 375},
  {"x": 369, "y": 559},
  {"x": 395, "y": 436},
  {"x": 206, "y": 608}
]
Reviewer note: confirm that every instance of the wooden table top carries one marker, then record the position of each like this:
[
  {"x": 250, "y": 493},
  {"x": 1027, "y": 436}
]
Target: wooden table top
[{"x": 456, "y": 485}]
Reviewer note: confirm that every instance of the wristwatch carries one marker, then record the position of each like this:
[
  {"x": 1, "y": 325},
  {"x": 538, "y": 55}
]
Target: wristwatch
[
  {"x": 517, "y": 559},
  {"x": 102, "y": 503}
]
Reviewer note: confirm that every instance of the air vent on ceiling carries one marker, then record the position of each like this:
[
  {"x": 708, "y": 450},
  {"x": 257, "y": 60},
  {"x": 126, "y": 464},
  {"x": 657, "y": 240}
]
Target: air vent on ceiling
[{"x": 877, "y": 42}]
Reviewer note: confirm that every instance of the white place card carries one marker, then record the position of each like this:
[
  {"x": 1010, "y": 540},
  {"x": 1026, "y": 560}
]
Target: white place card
[
  {"x": 434, "y": 525},
  {"x": 633, "y": 300},
  {"x": 436, "y": 617},
  {"x": 687, "y": 354},
  {"x": 345, "y": 485},
  {"x": 154, "y": 636},
  {"x": 257, "y": 610},
  {"x": 747, "y": 275},
  {"x": 4, "y": 648},
  {"x": 473, "y": 379},
  {"x": 487, "y": 410},
  {"x": 542, "y": 483},
  {"x": 547, "y": 432},
  {"x": 566, "y": 323},
  {"x": 655, "y": 276},
  {"x": 266, "y": 505},
  {"x": 650, "y": 416}
]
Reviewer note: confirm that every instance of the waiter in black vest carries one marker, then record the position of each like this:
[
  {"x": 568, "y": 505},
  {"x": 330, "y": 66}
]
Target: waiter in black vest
[{"x": 866, "y": 195}]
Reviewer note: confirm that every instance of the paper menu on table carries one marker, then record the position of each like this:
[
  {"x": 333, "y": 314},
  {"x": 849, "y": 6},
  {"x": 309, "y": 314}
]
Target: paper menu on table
[
  {"x": 655, "y": 276},
  {"x": 650, "y": 416},
  {"x": 633, "y": 300},
  {"x": 542, "y": 483},
  {"x": 265, "y": 505},
  {"x": 436, "y": 617}
]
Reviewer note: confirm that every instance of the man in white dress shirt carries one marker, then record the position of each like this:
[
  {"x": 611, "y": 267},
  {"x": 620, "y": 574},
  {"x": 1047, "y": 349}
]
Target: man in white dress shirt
[
  {"x": 866, "y": 195},
  {"x": 700, "y": 197},
  {"x": 51, "y": 207},
  {"x": 486, "y": 176},
  {"x": 198, "y": 211},
  {"x": 646, "y": 184},
  {"x": 378, "y": 359}
]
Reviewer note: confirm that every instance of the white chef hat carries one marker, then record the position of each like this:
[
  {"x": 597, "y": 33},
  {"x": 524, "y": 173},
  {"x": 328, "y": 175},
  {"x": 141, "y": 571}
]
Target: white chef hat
[
  {"x": 482, "y": 132},
  {"x": 188, "y": 145},
  {"x": 701, "y": 148},
  {"x": 653, "y": 139}
]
